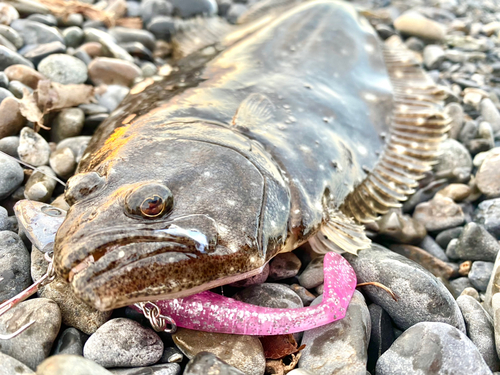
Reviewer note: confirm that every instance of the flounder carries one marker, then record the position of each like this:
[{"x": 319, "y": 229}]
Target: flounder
[{"x": 296, "y": 127}]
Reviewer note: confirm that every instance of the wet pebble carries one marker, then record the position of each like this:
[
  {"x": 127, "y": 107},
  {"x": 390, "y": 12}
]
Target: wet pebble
[
  {"x": 487, "y": 214},
  {"x": 8, "y": 58},
  {"x": 475, "y": 243},
  {"x": 40, "y": 185},
  {"x": 11, "y": 176},
  {"x": 163, "y": 369},
  {"x": 33, "y": 148},
  {"x": 33, "y": 345},
  {"x": 414, "y": 24},
  {"x": 480, "y": 330},
  {"x": 284, "y": 266},
  {"x": 65, "y": 364},
  {"x": 122, "y": 343},
  {"x": 24, "y": 74},
  {"x": 243, "y": 352},
  {"x": 34, "y": 32},
  {"x": 63, "y": 69},
  {"x": 207, "y": 363},
  {"x": 14, "y": 265},
  {"x": 313, "y": 274},
  {"x": 421, "y": 296},
  {"x": 270, "y": 295},
  {"x": 68, "y": 123},
  {"x": 108, "y": 71},
  {"x": 432, "y": 347},
  {"x": 488, "y": 176},
  {"x": 70, "y": 341},
  {"x": 11, "y": 366},
  {"x": 62, "y": 162},
  {"x": 480, "y": 274},
  {"x": 339, "y": 347},
  {"x": 438, "y": 214}
]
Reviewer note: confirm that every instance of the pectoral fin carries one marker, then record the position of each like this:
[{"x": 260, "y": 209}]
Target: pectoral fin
[{"x": 255, "y": 111}]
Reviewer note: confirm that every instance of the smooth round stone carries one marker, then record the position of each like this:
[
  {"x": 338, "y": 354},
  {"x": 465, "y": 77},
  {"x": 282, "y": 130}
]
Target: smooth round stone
[
  {"x": 235, "y": 11},
  {"x": 46, "y": 19},
  {"x": 162, "y": 27},
  {"x": 381, "y": 337},
  {"x": 93, "y": 121},
  {"x": 488, "y": 176},
  {"x": 207, "y": 363},
  {"x": 36, "y": 32},
  {"x": 76, "y": 144},
  {"x": 8, "y": 223},
  {"x": 33, "y": 148},
  {"x": 453, "y": 155},
  {"x": 133, "y": 9},
  {"x": 5, "y": 42},
  {"x": 108, "y": 43},
  {"x": 284, "y": 266},
  {"x": 65, "y": 364},
  {"x": 152, "y": 8},
  {"x": 41, "y": 51},
  {"x": 490, "y": 114},
  {"x": 40, "y": 186},
  {"x": 92, "y": 109},
  {"x": 456, "y": 113},
  {"x": 73, "y": 36},
  {"x": 480, "y": 330},
  {"x": 429, "y": 245},
  {"x": 243, "y": 352},
  {"x": 270, "y": 295},
  {"x": 14, "y": 265},
  {"x": 68, "y": 123},
  {"x": 480, "y": 274},
  {"x": 438, "y": 214},
  {"x": 456, "y": 192},
  {"x": 71, "y": 341},
  {"x": 458, "y": 285},
  {"x": 123, "y": 343},
  {"x": 7, "y": 14},
  {"x": 430, "y": 347},
  {"x": 112, "y": 97},
  {"x": 433, "y": 56},
  {"x": 18, "y": 89},
  {"x": 341, "y": 346},
  {"x": 414, "y": 24},
  {"x": 138, "y": 50},
  {"x": 108, "y": 71},
  {"x": 475, "y": 243},
  {"x": 400, "y": 228},
  {"x": 192, "y": 8},
  {"x": 11, "y": 366},
  {"x": 306, "y": 296},
  {"x": 488, "y": 215},
  {"x": 63, "y": 162},
  {"x": 63, "y": 69},
  {"x": 162, "y": 369},
  {"x": 126, "y": 35},
  {"x": 24, "y": 74},
  {"x": 472, "y": 293},
  {"x": 313, "y": 274},
  {"x": 148, "y": 69},
  {"x": 421, "y": 296},
  {"x": 11, "y": 176},
  {"x": 4, "y": 94},
  {"x": 32, "y": 346},
  {"x": 12, "y": 36},
  {"x": 444, "y": 237},
  {"x": 4, "y": 81},
  {"x": 8, "y": 58}
]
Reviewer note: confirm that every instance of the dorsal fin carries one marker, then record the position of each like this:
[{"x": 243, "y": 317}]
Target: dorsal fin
[{"x": 255, "y": 111}]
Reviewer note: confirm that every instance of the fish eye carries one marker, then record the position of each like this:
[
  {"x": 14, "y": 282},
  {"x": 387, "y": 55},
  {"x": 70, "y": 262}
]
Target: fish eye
[{"x": 150, "y": 201}]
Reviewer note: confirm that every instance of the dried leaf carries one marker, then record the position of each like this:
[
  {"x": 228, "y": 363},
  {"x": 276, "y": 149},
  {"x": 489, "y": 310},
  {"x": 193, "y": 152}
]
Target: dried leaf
[
  {"x": 53, "y": 96},
  {"x": 276, "y": 347},
  {"x": 29, "y": 108},
  {"x": 275, "y": 367}
]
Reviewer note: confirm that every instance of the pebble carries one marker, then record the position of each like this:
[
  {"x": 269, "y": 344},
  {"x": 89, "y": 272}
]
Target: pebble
[
  {"x": 421, "y": 296},
  {"x": 108, "y": 71},
  {"x": 34, "y": 32},
  {"x": 6, "y": 43},
  {"x": 235, "y": 11},
  {"x": 414, "y": 24},
  {"x": 8, "y": 223},
  {"x": 148, "y": 69},
  {"x": 4, "y": 94},
  {"x": 123, "y": 343},
  {"x": 18, "y": 89},
  {"x": 46, "y": 19},
  {"x": 488, "y": 176},
  {"x": 438, "y": 214},
  {"x": 401, "y": 228},
  {"x": 382, "y": 335},
  {"x": 192, "y": 8},
  {"x": 433, "y": 56},
  {"x": 33, "y": 148},
  {"x": 68, "y": 123},
  {"x": 432, "y": 347},
  {"x": 480, "y": 330},
  {"x": 207, "y": 363},
  {"x": 458, "y": 285},
  {"x": 431, "y": 246},
  {"x": 70, "y": 341},
  {"x": 270, "y": 295},
  {"x": 313, "y": 274},
  {"x": 40, "y": 185},
  {"x": 480, "y": 274},
  {"x": 108, "y": 43},
  {"x": 171, "y": 355},
  {"x": 11, "y": 120},
  {"x": 32, "y": 346},
  {"x": 8, "y": 58},
  {"x": 76, "y": 144},
  {"x": 7, "y": 14},
  {"x": 150, "y": 9},
  {"x": 73, "y": 36},
  {"x": 24, "y": 74},
  {"x": 339, "y": 347},
  {"x": 12, "y": 36},
  {"x": 11, "y": 176},
  {"x": 162, "y": 27},
  {"x": 453, "y": 156},
  {"x": 65, "y": 364},
  {"x": 495, "y": 312},
  {"x": 63, "y": 69},
  {"x": 306, "y": 296},
  {"x": 487, "y": 214},
  {"x": 490, "y": 113},
  {"x": 41, "y": 51},
  {"x": 284, "y": 266},
  {"x": 444, "y": 237},
  {"x": 243, "y": 352},
  {"x": 163, "y": 369},
  {"x": 112, "y": 97},
  {"x": 11, "y": 366},
  {"x": 456, "y": 192},
  {"x": 62, "y": 162},
  {"x": 14, "y": 265},
  {"x": 4, "y": 81},
  {"x": 475, "y": 243}
]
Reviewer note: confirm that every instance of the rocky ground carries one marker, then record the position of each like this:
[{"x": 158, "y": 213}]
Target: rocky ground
[{"x": 439, "y": 254}]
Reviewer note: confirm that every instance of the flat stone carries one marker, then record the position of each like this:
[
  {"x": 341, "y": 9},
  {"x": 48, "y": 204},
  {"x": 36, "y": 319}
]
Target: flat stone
[
  {"x": 34, "y": 32},
  {"x": 243, "y": 352},
  {"x": 65, "y": 364},
  {"x": 488, "y": 176},
  {"x": 284, "y": 266},
  {"x": 40, "y": 185},
  {"x": 41, "y": 51},
  {"x": 438, "y": 214},
  {"x": 339, "y": 347},
  {"x": 432, "y": 347},
  {"x": 313, "y": 274},
  {"x": 9, "y": 57},
  {"x": 480, "y": 274},
  {"x": 63, "y": 69},
  {"x": 270, "y": 295},
  {"x": 71, "y": 341},
  {"x": 33, "y": 148},
  {"x": 421, "y": 296},
  {"x": 11, "y": 176},
  {"x": 163, "y": 369},
  {"x": 104, "y": 70},
  {"x": 24, "y": 74},
  {"x": 123, "y": 343},
  {"x": 414, "y": 24},
  {"x": 487, "y": 214},
  {"x": 475, "y": 243},
  {"x": 68, "y": 123},
  {"x": 11, "y": 366},
  {"x": 480, "y": 330},
  {"x": 207, "y": 363},
  {"x": 381, "y": 337},
  {"x": 33, "y": 345},
  {"x": 14, "y": 265}
]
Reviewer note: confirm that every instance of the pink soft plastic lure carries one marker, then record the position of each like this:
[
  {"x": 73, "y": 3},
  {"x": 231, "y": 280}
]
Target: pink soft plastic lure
[{"x": 212, "y": 312}]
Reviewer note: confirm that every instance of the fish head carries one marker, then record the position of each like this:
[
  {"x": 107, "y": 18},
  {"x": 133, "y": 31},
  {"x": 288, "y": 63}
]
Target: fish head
[{"x": 167, "y": 220}]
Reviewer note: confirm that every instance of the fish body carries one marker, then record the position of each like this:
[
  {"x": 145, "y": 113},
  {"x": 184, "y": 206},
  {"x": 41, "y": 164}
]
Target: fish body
[{"x": 200, "y": 179}]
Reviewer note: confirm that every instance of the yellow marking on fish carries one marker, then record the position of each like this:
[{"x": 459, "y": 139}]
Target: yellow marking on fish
[
  {"x": 141, "y": 86},
  {"x": 129, "y": 118}
]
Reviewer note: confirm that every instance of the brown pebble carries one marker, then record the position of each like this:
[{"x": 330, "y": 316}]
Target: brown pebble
[
  {"x": 109, "y": 71},
  {"x": 457, "y": 192},
  {"x": 439, "y": 213},
  {"x": 414, "y": 24},
  {"x": 488, "y": 176},
  {"x": 93, "y": 49},
  {"x": 11, "y": 120},
  {"x": 24, "y": 74},
  {"x": 464, "y": 268}
]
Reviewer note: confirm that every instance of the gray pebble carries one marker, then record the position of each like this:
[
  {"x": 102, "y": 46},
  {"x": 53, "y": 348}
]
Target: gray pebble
[
  {"x": 313, "y": 274},
  {"x": 439, "y": 213},
  {"x": 432, "y": 347},
  {"x": 8, "y": 58},
  {"x": 490, "y": 114},
  {"x": 306, "y": 296},
  {"x": 32, "y": 346},
  {"x": 421, "y": 296},
  {"x": 11, "y": 176},
  {"x": 11, "y": 366},
  {"x": 284, "y": 266},
  {"x": 433, "y": 56},
  {"x": 382, "y": 334},
  {"x": 35, "y": 32},
  {"x": 339, "y": 347},
  {"x": 125, "y": 35},
  {"x": 480, "y": 330},
  {"x": 472, "y": 293},
  {"x": 453, "y": 156},
  {"x": 163, "y": 369},
  {"x": 12, "y": 36},
  {"x": 430, "y": 245},
  {"x": 444, "y": 237},
  {"x": 480, "y": 274},
  {"x": 108, "y": 42},
  {"x": 123, "y": 343},
  {"x": 76, "y": 144},
  {"x": 41, "y": 51},
  {"x": 207, "y": 363},
  {"x": 8, "y": 223},
  {"x": 5, "y": 93},
  {"x": 40, "y": 185},
  {"x": 148, "y": 69},
  {"x": 62, "y": 162},
  {"x": 171, "y": 355},
  {"x": 235, "y": 11},
  {"x": 488, "y": 215},
  {"x": 163, "y": 27},
  {"x": 4, "y": 80},
  {"x": 33, "y": 148},
  {"x": 475, "y": 243},
  {"x": 93, "y": 109},
  {"x": 46, "y": 19},
  {"x": 152, "y": 8},
  {"x": 458, "y": 285},
  {"x": 68, "y": 123},
  {"x": 14, "y": 265},
  {"x": 71, "y": 341},
  {"x": 5, "y": 42},
  {"x": 112, "y": 97},
  {"x": 270, "y": 295},
  {"x": 63, "y": 69},
  {"x": 64, "y": 364},
  {"x": 191, "y": 8},
  {"x": 17, "y": 88},
  {"x": 73, "y": 36}
]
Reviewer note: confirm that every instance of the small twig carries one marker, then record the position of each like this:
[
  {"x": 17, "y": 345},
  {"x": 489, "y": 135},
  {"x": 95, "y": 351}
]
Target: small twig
[{"x": 381, "y": 286}]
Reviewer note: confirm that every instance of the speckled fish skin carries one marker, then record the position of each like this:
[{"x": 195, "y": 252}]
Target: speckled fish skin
[{"x": 252, "y": 191}]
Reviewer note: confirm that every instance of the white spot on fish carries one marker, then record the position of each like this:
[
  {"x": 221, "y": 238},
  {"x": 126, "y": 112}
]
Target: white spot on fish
[
  {"x": 296, "y": 212},
  {"x": 362, "y": 150},
  {"x": 231, "y": 203},
  {"x": 369, "y": 48},
  {"x": 206, "y": 174},
  {"x": 158, "y": 153},
  {"x": 121, "y": 254},
  {"x": 370, "y": 97}
]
